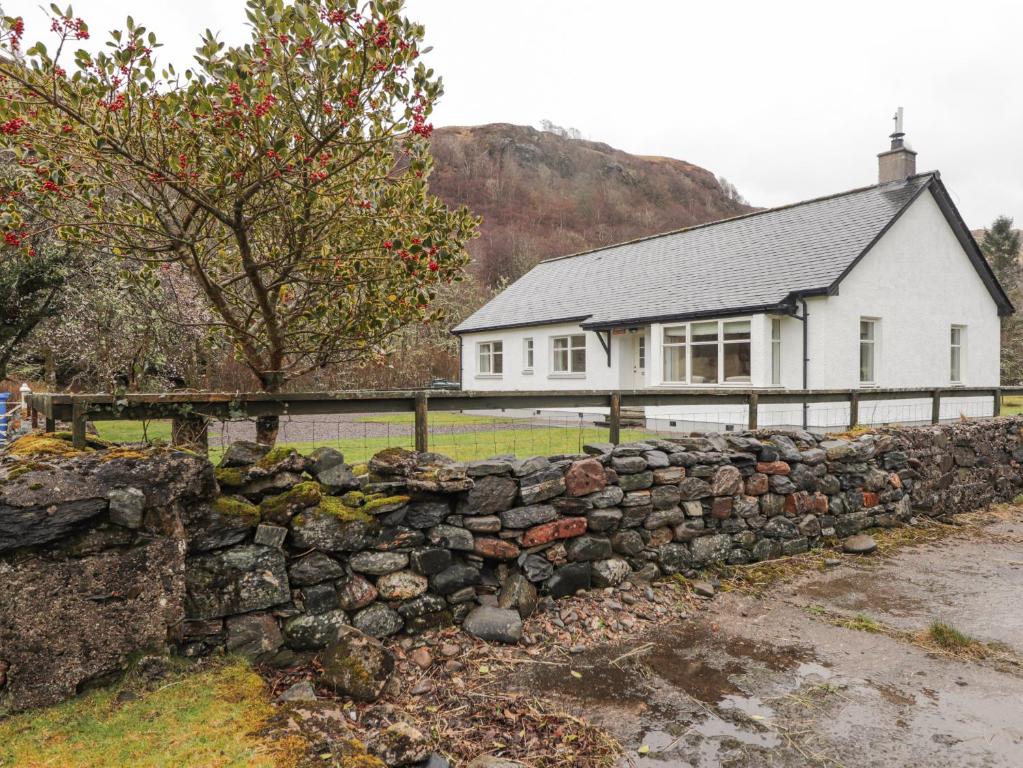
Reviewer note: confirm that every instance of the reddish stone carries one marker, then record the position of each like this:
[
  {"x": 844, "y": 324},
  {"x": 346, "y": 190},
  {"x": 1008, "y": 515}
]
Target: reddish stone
[
  {"x": 757, "y": 484},
  {"x": 565, "y": 528},
  {"x": 820, "y": 504},
  {"x": 870, "y": 499},
  {"x": 773, "y": 467},
  {"x": 799, "y": 503},
  {"x": 497, "y": 549},
  {"x": 721, "y": 507},
  {"x": 584, "y": 477}
]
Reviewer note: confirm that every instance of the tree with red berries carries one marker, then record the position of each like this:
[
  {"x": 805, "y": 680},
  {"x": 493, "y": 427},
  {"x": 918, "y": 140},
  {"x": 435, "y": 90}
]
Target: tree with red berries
[{"x": 286, "y": 176}]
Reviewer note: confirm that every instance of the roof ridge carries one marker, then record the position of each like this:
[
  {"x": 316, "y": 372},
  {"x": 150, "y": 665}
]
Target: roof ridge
[{"x": 732, "y": 218}]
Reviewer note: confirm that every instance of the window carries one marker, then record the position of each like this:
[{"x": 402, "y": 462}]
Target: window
[
  {"x": 491, "y": 358},
  {"x": 569, "y": 354},
  {"x": 775, "y": 351},
  {"x": 527, "y": 354},
  {"x": 957, "y": 339},
  {"x": 868, "y": 351},
  {"x": 707, "y": 352},
  {"x": 674, "y": 347},
  {"x": 641, "y": 353},
  {"x": 735, "y": 351}
]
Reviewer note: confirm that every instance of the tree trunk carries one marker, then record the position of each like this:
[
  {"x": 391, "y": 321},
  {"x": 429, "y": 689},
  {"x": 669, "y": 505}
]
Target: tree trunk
[
  {"x": 268, "y": 426},
  {"x": 266, "y": 429}
]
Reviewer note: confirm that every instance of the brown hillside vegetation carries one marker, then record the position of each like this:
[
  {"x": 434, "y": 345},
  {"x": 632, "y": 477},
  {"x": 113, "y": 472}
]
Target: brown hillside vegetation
[{"x": 543, "y": 194}]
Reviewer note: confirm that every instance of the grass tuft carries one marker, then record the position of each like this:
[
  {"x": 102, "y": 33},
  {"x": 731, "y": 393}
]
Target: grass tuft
[
  {"x": 950, "y": 639},
  {"x": 212, "y": 717}
]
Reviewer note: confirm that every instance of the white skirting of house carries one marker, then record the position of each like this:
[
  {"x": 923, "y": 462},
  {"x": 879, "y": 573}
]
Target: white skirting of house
[{"x": 727, "y": 418}]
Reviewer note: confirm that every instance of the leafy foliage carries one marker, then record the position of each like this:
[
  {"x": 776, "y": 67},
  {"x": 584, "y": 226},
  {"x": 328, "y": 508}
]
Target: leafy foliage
[
  {"x": 1001, "y": 246},
  {"x": 286, "y": 177},
  {"x": 29, "y": 291}
]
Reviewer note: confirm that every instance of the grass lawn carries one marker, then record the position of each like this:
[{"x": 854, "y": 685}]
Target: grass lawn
[
  {"x": 464, "y": 446},
  {"x": 438, "y": 418},
  {"x": 1012, "y": 406},
  {"x": 209, "y": 718}
]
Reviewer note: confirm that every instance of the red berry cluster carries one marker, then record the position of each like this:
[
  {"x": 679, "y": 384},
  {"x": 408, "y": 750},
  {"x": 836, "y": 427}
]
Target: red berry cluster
[
  {"x": 17, "y": 31},
  {"x": 73, "y": 27},
  {"x": 12, "y": 126}
]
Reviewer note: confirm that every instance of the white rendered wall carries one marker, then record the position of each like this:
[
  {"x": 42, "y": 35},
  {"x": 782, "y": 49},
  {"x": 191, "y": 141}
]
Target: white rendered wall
[
  {"x": 916, "y": 280},
  {"x": 515, "y": 378}
]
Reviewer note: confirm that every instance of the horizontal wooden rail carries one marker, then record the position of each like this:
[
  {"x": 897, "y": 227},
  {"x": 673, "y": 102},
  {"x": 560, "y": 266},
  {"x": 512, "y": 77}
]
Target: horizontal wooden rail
[{"x": 190, "y": 406}]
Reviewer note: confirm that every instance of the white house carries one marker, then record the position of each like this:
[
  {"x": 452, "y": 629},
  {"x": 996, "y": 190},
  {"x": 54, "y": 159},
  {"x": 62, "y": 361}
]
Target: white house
[{"x": 881, "y": 286}]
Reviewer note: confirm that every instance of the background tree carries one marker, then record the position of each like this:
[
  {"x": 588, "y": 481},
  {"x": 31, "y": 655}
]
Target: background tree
[
  {"x": 1001, "y": 247},
  {"x": 286, "y": 177},
  {"x": 30, "y": 286}
]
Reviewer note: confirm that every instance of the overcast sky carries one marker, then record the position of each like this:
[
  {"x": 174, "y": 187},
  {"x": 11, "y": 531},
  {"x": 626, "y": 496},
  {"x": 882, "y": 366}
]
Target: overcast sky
[{"x": 788, "y": 100}]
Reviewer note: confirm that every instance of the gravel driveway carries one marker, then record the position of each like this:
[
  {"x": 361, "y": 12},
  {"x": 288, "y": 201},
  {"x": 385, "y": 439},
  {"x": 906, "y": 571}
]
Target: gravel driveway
[{"x": 773, "y": 681}]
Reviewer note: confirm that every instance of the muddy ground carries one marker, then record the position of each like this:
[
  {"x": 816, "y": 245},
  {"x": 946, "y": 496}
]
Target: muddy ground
[{"x": 773, "y": 681}]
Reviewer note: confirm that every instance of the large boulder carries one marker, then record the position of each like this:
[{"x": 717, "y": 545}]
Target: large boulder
[
  {"x": 64, "y": 623},
  {"x": 357, "y": 665}
]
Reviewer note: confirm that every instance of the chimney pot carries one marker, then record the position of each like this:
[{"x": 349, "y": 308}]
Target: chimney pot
[{"x": 899, "y": 162}]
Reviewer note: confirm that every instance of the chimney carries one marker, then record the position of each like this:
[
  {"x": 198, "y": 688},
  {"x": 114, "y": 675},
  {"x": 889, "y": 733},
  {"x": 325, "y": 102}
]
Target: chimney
[{"x": 899, "y": 162}]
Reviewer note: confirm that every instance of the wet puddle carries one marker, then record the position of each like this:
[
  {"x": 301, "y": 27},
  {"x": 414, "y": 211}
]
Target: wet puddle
[{"x": 683, "y": 694}]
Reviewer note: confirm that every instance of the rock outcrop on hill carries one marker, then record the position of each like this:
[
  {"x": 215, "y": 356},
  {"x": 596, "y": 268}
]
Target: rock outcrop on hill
[{"x": 542, "y": 194}]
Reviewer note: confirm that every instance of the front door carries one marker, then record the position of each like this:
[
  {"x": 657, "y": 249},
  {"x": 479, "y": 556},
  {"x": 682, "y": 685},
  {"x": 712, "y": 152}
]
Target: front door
[{"x": 639, "y": 357}]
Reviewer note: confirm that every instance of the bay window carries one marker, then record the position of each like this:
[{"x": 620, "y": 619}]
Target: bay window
[
  {"x": 707, "y": 352},
  {"x": 568, "y": 354},
  {"x": 490, "y": 355}
]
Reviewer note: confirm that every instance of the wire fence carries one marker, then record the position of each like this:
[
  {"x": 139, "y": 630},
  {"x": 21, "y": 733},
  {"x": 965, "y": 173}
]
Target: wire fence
[{"x": 478, "y": 434}]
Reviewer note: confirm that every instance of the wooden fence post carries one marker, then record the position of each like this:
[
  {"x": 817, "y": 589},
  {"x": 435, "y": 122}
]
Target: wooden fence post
[
  {"x": 996, "y": 401},
  {"x": 79, "y": 416},
  {"x": 422, "y": 426},
  {"x": 935, "y": 406},
  {"x": 752, "y": 406},
  {"x": 854, "y": 409},
  {"x": 614, "y": 419}
]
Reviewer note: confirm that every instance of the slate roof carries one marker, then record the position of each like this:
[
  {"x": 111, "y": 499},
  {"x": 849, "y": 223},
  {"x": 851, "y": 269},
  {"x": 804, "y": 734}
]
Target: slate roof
[{"x": 745, "y": 264}]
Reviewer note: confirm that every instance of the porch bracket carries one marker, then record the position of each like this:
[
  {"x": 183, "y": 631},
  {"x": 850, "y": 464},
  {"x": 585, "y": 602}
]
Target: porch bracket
[{"x": 605, "y": 343}]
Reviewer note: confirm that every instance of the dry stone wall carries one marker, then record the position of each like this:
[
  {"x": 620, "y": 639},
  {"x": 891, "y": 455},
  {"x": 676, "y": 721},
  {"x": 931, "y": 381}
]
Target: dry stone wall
[{"x": 272, "y": 553}]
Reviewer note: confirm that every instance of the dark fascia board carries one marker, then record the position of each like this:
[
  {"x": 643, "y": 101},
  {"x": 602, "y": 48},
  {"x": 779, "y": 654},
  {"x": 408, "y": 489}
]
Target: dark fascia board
[
  {"x": 969, "y": 244},
  {"x": 962, "y": 233},
  {"x": 682, "y": 317},
  {"x": 506, "y": 326}
]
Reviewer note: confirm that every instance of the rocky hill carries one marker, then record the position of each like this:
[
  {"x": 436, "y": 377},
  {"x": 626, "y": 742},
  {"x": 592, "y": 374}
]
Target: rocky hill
[{"x": 543, "y": 194}]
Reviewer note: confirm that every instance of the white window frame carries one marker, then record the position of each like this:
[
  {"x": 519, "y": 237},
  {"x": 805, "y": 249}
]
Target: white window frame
[
  {"x": 528, "y": 354},
  {"x": 493, "y": 350},
  {"x": 776, "y": 361},
  {"x": 874, "y": 344},
  {"x": 720, "y": 343},
  {"x": 573, "y": 346},
  {"x": 956, "y": 353}
]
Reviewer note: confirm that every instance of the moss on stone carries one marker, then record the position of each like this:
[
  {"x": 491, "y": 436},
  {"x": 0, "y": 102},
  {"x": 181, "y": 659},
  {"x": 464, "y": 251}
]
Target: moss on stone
[
  {"x": 306, "y": 494},
  {"x": 335, "y": 507},
  {"x": 354, "y": 498},
  {"x": 231, "y": 506},
  {"x": 130, "y": 453},
  {"x": 44, "y": 444},
  {"x": 360, "y": 469},
  {"x": 274, "y": 456},
  {"x": 354, "y": 755},
  {"x": 35, "y": 486},
  {"x": 230, "y": 477},
  {"x": 384, "y": 501}
]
